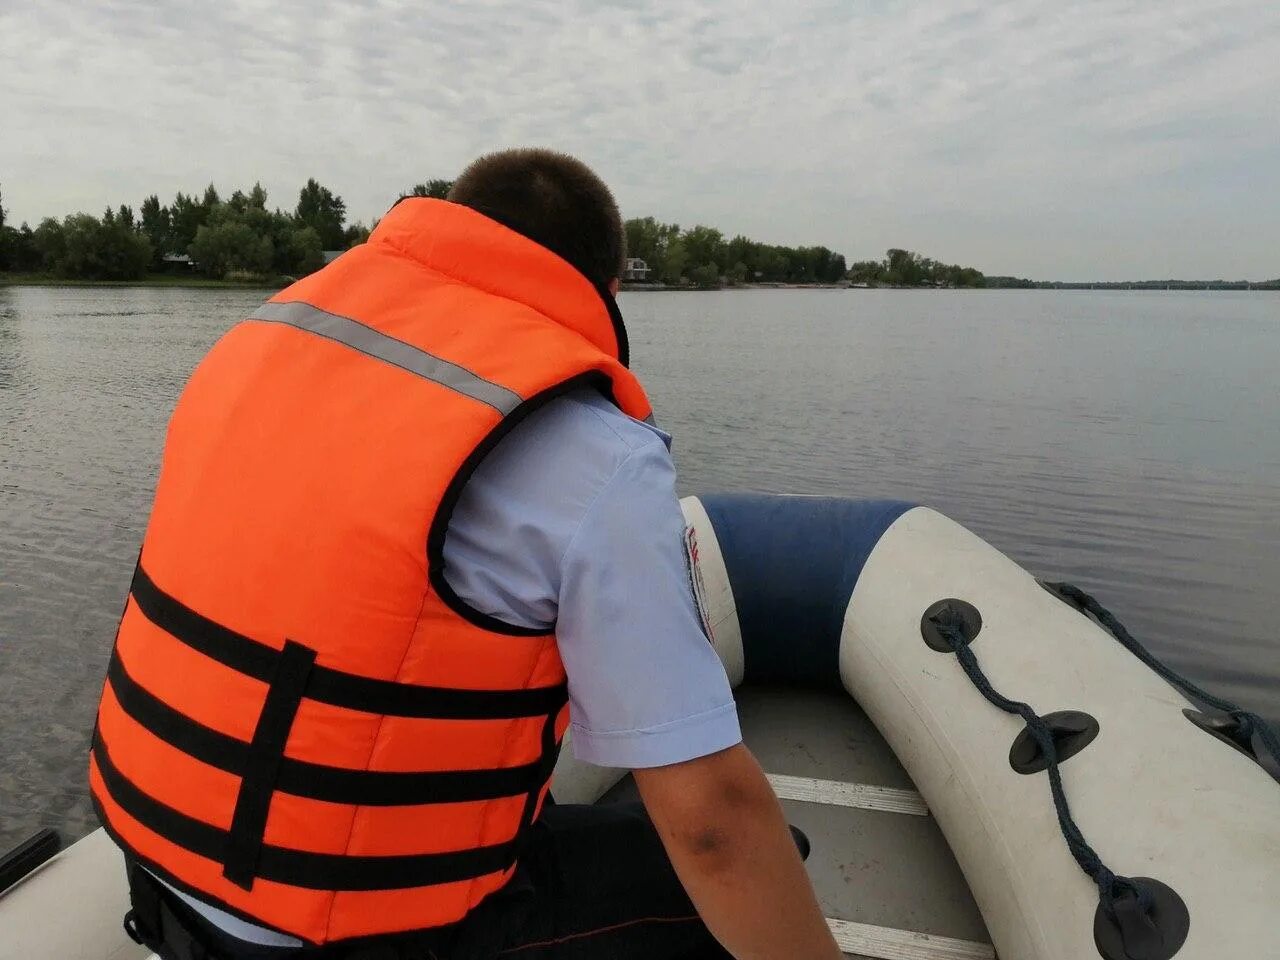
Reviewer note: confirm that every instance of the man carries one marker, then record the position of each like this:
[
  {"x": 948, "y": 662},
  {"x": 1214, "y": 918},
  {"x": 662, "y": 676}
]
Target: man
[{"x": 407, "y": 512}]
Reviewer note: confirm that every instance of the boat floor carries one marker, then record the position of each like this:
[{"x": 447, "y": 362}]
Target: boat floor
[{"x": 887, "y": 875}]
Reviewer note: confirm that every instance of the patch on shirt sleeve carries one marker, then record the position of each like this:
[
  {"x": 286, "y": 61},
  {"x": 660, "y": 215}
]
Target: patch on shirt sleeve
[{"x": 696, "y": 584}]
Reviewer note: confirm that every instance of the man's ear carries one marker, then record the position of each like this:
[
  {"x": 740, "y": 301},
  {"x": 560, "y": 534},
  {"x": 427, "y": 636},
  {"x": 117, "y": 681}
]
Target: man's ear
[{"x": 615, "y": 285}]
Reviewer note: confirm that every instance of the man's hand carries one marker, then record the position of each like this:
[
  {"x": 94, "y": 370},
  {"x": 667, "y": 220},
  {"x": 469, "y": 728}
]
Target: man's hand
[{"x": 726, "y": 836}]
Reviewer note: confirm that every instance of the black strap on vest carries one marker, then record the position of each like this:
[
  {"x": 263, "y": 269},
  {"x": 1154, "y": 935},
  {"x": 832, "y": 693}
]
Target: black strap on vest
[
  {"x": 337, "y": 687},
  {"x": 297, "y": 868},
  {"x": 370, "y": 788},
  {"x": 249, "y": 822},
  {"x": 166, "y": 925},
  {"x": 157, "y": 923},
  {"x": 293, "y": 675}
]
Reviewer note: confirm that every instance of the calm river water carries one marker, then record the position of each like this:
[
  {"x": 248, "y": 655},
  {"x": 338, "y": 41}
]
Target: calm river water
[{"x": 1129, "y": 442}]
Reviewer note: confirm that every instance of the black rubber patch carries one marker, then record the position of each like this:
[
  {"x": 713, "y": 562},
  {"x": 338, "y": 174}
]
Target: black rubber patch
[
  {"x": 28, "y": 855},
  {"x": 1222, "y": 728},
  {"x": 1056, "y": 589},
  {"x": 957, "y": 614},
  {"x": 1132, "y": 934},
  {"x": 1072, "y": 731}
]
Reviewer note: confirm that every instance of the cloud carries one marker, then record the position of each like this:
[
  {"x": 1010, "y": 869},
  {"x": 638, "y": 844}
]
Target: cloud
[{"x": 1063, "y": 139}]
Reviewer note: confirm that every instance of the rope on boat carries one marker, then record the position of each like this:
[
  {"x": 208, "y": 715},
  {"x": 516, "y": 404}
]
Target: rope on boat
[{"x": 1129, "y": 903}]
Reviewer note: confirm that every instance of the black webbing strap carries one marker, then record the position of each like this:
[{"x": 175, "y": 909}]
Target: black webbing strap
[
  {"x": 153, "y": 923},
  {"x": 336, "y": 687},
  {"x": 262, "y": 766},
  {"x": 317, "y": 781},
  {"x": 297, "y": 868}
]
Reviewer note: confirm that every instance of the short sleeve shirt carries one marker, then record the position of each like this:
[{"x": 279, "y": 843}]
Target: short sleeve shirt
[{"x": 573, "y": 521}]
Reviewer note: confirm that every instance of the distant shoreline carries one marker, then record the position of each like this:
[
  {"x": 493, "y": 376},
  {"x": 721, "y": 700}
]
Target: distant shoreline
[
  {"x": 705, "y": 288},
  {"x": 158, "y": 280},
  {"x": 197, "y": 283}
]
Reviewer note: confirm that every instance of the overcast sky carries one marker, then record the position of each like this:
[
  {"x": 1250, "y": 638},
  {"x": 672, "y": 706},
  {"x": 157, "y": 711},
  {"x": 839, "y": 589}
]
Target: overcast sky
[{"x": 1043, "y": 138}]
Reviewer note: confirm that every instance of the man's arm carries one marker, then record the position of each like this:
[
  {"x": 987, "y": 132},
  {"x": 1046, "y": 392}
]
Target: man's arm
[{"x": 724, "y": 831}]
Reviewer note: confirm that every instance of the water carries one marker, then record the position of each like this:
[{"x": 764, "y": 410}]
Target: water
[{"x": 1129, "y": 442}]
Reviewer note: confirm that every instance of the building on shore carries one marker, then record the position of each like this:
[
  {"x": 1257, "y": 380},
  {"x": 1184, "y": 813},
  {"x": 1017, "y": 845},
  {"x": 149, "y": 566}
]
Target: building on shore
[
  {"x": 635, "y": 269},
  {"x": 177, "y": 263}
]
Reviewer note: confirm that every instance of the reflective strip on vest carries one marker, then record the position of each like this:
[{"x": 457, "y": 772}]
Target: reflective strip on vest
[{"x": 358, "y": 336}]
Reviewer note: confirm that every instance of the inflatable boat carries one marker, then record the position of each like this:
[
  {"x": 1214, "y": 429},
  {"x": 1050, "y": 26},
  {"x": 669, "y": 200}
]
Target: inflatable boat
[{"x": 986, "y": 765}]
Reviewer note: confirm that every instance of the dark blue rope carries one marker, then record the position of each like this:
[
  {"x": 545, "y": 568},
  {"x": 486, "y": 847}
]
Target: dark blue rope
[
  {"x": 1247, "y": 723},
  {"x": 1110, "y": 886}
]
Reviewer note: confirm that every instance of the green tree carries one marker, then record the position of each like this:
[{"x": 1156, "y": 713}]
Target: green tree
[
  {"x": 23, "y": 254},
  {"x": 107, "y": 249},
  {"x": 229, "y": 246},
  {"x": 156, "y": 228},
  {"x": 866, "y": 271},
  {"x": 706, "y": 275},
  {"x": 50, "y": 242},
  {"x": 738, "y": 273},
  {"x": 323, "y": 211},
  {"x": 673, "y": 262},
  {"x": 436, "y": 189},
  {"x": 186, "y": 216},
  {"x": 740, "y": 250},
  {"x": 355, "y": 235},
  {"x": 302, "y": 251},
  {"x": 6, "y": 243},
  {"x": 706, "y": 246},
  {"x": 644, "y": 237}
]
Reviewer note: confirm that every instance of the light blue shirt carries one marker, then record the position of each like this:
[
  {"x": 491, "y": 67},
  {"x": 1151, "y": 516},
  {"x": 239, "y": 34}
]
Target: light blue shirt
[{"x": 573, "y": 521}]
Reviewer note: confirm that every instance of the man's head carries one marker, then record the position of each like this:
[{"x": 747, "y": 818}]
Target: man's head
[{"x": 552, "y": 199}]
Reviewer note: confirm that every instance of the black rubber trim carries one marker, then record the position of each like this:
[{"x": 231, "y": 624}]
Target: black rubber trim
[
  {"x": 26, "y": 856},
  {"x": 1226, "y": 729},
  {"x": 1133, "y": 933},
  {"x": 336, "y": 687},
  {"x": 301, "y": 868},
  {"x": 1072, "y": 731},
  {"x": 313, "y": 780},
  {"x": 449, "y": 502},
  {"x": 619, "y": 326},
  {"x": 958, "y": 614},
  {"x": 262, "y": 763}
]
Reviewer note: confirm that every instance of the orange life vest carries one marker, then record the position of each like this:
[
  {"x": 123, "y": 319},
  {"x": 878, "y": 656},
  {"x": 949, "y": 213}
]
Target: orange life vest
[{"x": 302, "y": 723}]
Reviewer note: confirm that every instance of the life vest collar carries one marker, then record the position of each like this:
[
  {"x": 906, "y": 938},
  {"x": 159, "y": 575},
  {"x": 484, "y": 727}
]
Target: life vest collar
[{"x": 465, "y": 245}]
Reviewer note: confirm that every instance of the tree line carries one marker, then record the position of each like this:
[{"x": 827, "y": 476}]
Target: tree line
[
  {"x": 239, "y": 237},
  {"x": 702, "y": 256},
  {"x": 906, "y": 268},
  {"x": 235, "y": 237},
  {"x": 1021, "y": 283}
]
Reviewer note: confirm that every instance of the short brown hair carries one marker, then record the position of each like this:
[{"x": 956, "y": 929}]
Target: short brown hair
[{"x": 554, "y": 200}]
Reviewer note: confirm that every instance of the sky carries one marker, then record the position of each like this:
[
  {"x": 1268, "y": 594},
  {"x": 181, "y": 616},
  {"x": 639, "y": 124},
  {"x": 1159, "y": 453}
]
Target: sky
[{"x": 1053, "y": 139}]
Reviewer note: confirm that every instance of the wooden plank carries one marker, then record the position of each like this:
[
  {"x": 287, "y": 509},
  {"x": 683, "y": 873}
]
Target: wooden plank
[
  {"x": 885, "y": 943},
  {"x": 865, "y": 796}
]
